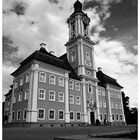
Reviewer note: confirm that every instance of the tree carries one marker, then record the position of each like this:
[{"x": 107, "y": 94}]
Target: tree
[{"x": 131, "y": 114}]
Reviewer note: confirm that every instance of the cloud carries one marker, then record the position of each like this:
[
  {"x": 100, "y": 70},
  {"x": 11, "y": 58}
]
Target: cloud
[
  {"x": 45, "y": 21},
  {"x": 54, "y": 1},
  {"x": 7, "y": 79},
  {"x": 19, "y": 8},
  {"x": 9, "y": 52}
]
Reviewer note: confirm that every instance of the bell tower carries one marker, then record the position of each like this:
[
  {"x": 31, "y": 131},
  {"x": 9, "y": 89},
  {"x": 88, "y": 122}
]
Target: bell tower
[
  {"x": 80, "y": 54},
  {"x": 80, "y": 51}
]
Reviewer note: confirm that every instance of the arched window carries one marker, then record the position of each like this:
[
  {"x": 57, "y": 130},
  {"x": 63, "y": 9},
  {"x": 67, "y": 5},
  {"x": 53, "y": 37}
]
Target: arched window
[
  {"x": 90, "y": 88},
  {"x": 73, "y": 29}
]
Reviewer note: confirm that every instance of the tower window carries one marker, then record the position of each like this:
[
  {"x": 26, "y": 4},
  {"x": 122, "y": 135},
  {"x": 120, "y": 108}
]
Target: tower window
[
  {"x": 90, "y": 88},
  {"x": 85, "y": 29},
  {"x": 73, "y": 56},
  {"x": 73, "y": 30}
]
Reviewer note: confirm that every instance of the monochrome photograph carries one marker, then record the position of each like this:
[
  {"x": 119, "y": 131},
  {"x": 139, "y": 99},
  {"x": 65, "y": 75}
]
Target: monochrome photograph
[{"x": 69, "y": 69}]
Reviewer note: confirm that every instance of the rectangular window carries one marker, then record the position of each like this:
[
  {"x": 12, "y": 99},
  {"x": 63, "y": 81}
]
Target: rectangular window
[
  {"x": 61, "y": 82},
  {"x": 104, "y": 103},
  {"x": 119, "y": 96},
  {"x": 71, "y": 115},
  {"x": 24, "y": 113},
  {"x": 73, "y": 29},
  {"x": 116, "y": 106},
  {"x": 77, "y": 86},
  {"x": 14, "y": 99},
  {"x": 41, "y": 113},
  {"x": 121, "y": 117},
  {"x": 78, "y": 116},
  {"x": 61, "y": 97},
  {"x": 16, "y": 84},
  {"x": 71, "y": 85},
  {"x": 51, "y": 95},
  {"x": 71, "y": 99},
  {"x": 119, "y": 106},
  {"x": 115, "y": 94},
  {"x": 101, "y": 117},
  {"x": 113, "y": 117},
  {"x": 26, "y": 94},
  {"x": 77, "y": 100},
  {"x": 27, "y": 77},
  {"x": 105, "y": 116},
  {"x": 61, "y": 114},
  {"x": 99, "y": 91},
  {"x": 13, "y": 115},
  {"x": 100, "y": 103},
  {"x": 51, "y": 114},
  {"x": 21, "y": 81},
  {"x": 20, "y": 97},
  {"x": 18, "y": 114},
  {"x": 42, "y": 77},
  {"x": 52, "y": 79},
  {"x": 73, "y": 56},
  {"x": 112, "y": 104},
  {"x": 103, "y": 92},
  {"x": 117, "y": 117},
  {"x": 90, "y": 88},
  {"x": 111, "y": 94},
  {"x": 41, "y": 94}
]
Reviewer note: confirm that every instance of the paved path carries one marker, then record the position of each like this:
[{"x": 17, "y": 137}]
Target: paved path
[
  {"x": 50, "y": 133},
  {"x": 97, "y": 136}
]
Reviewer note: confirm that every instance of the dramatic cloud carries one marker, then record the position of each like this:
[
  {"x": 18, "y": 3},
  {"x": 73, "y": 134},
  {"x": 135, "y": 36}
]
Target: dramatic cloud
[
  {"x": 19, "y": 8},
  {"x": 31, "y": 22},
  {"x": 9, "y": 52}
]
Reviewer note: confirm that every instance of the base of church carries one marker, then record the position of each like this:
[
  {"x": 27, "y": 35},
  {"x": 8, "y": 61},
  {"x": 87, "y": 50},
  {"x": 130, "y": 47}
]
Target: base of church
[{"x": 36, "y": 124}]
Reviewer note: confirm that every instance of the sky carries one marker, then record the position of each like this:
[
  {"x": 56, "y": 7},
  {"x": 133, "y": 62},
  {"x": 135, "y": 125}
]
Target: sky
[{"x": 113, "y": 27}]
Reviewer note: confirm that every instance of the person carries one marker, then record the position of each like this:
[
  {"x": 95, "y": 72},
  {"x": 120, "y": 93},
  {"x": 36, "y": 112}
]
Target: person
[
  {"x": 105, "y": 121},
  {"x": 97, "y": 122}
]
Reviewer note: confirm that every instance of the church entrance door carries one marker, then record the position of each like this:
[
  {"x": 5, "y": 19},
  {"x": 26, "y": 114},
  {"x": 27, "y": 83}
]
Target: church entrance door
[{"x": 92, "y": 117}]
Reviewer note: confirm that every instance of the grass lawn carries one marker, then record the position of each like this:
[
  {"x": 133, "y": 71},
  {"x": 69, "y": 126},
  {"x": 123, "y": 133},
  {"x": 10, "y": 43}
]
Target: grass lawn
[{"x": 50, "y": 133}]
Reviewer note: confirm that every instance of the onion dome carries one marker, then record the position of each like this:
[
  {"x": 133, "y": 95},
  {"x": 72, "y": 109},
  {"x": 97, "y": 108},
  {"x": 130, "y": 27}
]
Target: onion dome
[{"x": 77, "y": 6}]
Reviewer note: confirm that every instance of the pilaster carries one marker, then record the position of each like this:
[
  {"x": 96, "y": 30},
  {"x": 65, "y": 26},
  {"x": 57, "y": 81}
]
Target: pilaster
[
  {"x": 11, "y": 104},
  {"x": 33, "y": 92},
  {"x": 85, "y": 113},
  {"x": 67, "y": 113},
  {"x": 97, "y": 103},
  {"x": 93, "y": 59},
  {"x": 123, "y": 116},
  {"x": 109, "y": 107}
]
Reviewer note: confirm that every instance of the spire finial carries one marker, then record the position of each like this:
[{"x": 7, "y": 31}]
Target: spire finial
[
  {"x": 42, "y": 44},
  {"x": 77, "y": 6}
]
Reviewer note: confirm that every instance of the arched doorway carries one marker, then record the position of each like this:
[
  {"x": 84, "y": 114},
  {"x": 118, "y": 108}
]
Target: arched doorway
[{"x": 92, "y": 117}]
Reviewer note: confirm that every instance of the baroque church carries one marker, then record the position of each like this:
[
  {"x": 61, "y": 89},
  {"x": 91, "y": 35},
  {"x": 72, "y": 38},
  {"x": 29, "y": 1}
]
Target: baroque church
[{"x": 66, "y": 90}]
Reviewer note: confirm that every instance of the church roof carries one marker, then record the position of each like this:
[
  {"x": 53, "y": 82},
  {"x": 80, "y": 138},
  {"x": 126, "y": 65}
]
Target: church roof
[
  {"x": 105, "y": 79},
  {"x": 44, "y": 56}
]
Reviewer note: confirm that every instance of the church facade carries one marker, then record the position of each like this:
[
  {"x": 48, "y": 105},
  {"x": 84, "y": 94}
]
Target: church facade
[{"x": 50, "y": 90}]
